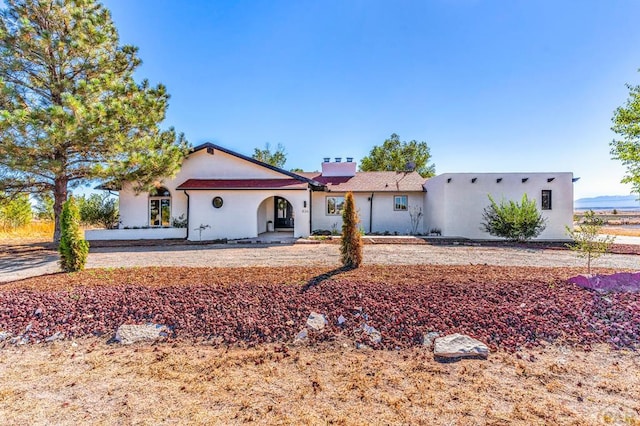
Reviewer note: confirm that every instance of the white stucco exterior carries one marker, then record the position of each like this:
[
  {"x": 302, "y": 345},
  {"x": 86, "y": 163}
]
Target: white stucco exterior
[
  {"x": 247, "y": 191},
  {"x": 244, "y": 213},
  {"x": 375, "y": 209},
  {"x": 455, "y": 202}
]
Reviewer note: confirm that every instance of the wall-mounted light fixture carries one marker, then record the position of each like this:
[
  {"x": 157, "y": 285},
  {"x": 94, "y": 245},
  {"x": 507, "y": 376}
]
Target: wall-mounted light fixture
[
  {"x": 498, "y": 180},
  {"x": 524, "y": 180}
]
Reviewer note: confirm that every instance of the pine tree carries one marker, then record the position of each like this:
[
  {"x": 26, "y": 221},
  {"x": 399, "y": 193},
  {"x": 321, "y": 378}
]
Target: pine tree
[
  {"x": 351, "y": 244},
  {"x": 73, "y": 248},
  {"x": 70, "y": 110}
]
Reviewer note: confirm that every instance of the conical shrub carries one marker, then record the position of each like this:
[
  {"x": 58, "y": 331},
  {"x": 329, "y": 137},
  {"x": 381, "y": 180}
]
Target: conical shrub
[
  {"x": 351, "y": 245},
  {"x": 73, "y": 248}
]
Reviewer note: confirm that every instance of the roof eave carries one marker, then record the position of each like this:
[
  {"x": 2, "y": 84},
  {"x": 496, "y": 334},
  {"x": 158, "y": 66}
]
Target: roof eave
[{"x": 254, "y": 161}]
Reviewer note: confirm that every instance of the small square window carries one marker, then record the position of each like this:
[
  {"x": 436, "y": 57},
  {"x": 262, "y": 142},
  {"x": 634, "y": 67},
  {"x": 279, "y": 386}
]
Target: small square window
[
  {"x": 400, "y": 203},
  {"x": 335, "y": 206},
  {"x": 546, "y": 199}
]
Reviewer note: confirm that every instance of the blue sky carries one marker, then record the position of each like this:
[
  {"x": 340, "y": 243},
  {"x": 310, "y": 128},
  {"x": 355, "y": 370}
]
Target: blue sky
[{"x": 491, "y": 86}]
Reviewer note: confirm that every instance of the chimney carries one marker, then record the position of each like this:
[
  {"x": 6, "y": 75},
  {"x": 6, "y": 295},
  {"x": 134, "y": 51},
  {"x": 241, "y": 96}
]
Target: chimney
[{"x": 339, "y": 169}]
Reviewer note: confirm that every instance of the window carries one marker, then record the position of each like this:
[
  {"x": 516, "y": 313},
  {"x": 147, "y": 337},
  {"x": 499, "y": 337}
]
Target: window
[
  {"x": 546, "y": 199},
  {"x": 400, "y": 203},
  {"x": 335, "y": 205},
  {"x": 160, "y": 207}
]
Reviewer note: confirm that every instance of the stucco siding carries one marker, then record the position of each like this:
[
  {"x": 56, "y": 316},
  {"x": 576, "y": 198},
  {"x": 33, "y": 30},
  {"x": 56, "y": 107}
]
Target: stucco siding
[
  {"x": 134, "y": 207},
  {"x": 243, "y": 214},
  {"x": 378, "y": 216},
  {"x": 457, "y": 206}
]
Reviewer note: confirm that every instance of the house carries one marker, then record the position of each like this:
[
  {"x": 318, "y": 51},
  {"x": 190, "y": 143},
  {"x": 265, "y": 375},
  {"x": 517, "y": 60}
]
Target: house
[
  {"x": 219, "y": 193},
  {"x": 455, "y": 202}
]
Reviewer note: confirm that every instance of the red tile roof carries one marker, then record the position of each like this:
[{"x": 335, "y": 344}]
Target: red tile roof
[
  {"x": 243, "y": 184},
  {"x": 370, "y": 181}
]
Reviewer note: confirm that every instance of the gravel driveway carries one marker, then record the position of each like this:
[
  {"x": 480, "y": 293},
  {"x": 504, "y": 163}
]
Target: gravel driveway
[{"x": 23, "y": 265}]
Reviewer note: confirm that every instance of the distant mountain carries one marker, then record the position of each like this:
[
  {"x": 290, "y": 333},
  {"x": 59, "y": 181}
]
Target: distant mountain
[
  {"x": 603, "y": 198},
  {"x": 608, "y": 202}
]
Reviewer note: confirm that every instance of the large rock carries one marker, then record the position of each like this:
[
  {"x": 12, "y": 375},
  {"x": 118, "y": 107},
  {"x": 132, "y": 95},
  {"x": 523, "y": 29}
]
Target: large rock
[
  {"x": 132, "y": 333},
  {"x": 316, "y": 321},
  {"x": 301, "y": 337},
  {"x": 374, "y": 335},
  {"x": 428, "y": 338},
  {"x": 459, "y": 346}
]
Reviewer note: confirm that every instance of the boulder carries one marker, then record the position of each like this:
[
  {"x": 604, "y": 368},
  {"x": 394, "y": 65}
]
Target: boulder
[
  {"x": 316, "y": 321},
  {"x": 132, "y": 333},
  {"x": 374, "y": 335},
  {"x": 459, "y": 346},
  {"x": 302, "y": 336},
  {"x": 427, "y": 338},
  {"x": 58, "y": 335}
]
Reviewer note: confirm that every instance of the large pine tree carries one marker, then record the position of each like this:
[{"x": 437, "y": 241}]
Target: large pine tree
[{"x": 70, "y": 110}]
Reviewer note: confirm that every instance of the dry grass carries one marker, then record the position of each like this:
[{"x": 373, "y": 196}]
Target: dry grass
[
  {"x": 91, "y": 382},
  {"x": 35, "y": 231},
  {"x": 626, "y": 232}
]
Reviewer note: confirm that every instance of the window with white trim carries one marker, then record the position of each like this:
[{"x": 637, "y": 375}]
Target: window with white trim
[
  {"x": 400, "y": 203},
  {"x": 335, "y": 205},
  {"x": 160, "y": 207}
]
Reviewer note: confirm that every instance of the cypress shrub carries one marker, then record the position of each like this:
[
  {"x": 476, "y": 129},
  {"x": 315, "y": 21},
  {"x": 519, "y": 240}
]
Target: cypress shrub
[
  {"x": 351, "y": 244},
  {"x": 73, "y": 248}
]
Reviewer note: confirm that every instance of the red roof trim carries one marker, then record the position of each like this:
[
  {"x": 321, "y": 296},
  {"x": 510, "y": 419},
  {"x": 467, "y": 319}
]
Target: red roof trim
[{"x": 243, "y": 184}]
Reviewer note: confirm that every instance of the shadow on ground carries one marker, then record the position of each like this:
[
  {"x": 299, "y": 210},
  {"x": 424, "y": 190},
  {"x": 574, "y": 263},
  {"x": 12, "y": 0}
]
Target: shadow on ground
[{"x": 318, "y": 279}]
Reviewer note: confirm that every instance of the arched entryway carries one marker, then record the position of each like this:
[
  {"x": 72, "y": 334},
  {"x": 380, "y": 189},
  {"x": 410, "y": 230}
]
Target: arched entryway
[{"x": 275, "y": 214}]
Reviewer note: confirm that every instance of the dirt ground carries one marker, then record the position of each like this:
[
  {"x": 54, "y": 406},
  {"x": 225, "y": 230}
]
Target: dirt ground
[
  {"x": 89, "y": 382},
  {"x": 18, "y": 262}
]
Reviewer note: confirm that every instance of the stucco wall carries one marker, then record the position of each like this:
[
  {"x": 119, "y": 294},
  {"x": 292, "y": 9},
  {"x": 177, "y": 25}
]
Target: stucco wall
[
  {"x": 242, "y": 213},
  {"x": 457, "y": 206},
  {"x": 135, "y": 234},
  {"x": 134, "y": 207},
  {"x": 385, "y": 218}
]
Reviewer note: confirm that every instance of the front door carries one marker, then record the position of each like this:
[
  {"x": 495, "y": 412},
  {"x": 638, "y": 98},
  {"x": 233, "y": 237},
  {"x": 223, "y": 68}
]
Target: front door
[{"x": 283, "y": 213}]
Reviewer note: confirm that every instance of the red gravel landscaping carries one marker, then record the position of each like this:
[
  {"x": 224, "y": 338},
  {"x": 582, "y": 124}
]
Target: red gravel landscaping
[{"x": 507, "y": 307}]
